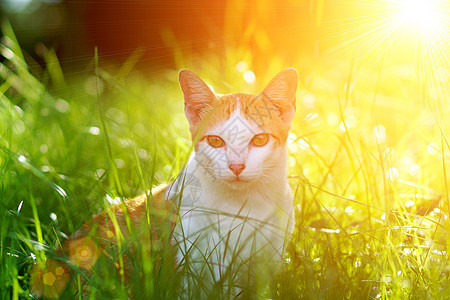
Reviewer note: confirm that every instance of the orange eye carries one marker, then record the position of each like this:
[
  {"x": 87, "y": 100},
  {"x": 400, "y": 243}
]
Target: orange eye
[
  {"x": 215, "y": 141},
  {"x": 260, "y": 140}
]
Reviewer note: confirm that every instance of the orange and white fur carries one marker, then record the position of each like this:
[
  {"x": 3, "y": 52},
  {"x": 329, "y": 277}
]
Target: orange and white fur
[
  {"x": 235, "y": 204},
  {"x": 242, "y": 201}
]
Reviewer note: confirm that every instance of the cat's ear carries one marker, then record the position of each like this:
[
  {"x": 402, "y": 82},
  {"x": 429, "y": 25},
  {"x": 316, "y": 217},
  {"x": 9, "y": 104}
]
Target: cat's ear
[
  {"x": 281, "y": 92},
  {"x": 198, "y": 97}
]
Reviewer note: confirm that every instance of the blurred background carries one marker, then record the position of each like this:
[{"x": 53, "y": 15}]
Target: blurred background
[
  {"x": 306, "y": 28},
  {"x": 118, "y": 28}
]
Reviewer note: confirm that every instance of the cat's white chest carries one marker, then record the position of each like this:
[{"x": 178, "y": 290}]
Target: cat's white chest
[{"x": 224, "y": 227}]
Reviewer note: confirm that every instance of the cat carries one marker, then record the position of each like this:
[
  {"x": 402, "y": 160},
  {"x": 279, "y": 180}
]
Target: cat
[{"x": 230, "y": 211}]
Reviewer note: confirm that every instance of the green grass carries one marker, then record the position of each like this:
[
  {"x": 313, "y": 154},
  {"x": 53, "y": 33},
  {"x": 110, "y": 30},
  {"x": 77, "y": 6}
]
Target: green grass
[{"x": 363, "y": 229}]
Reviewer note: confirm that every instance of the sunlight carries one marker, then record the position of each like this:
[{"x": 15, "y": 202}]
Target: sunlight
[
  {"x": 422, "y": 15},
  {"x": 405, "y": 31},
  {"x": 413, "y": 33}
]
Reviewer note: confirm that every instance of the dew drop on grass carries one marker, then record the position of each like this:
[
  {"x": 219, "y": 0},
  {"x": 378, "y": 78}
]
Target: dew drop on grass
[
  {"x": 313, "y": 119},
  {"x": 53, "y": 216},
  {"x": 249, "y": 76},
  {"x": 241, "y": 66},
  {"x": 438, "y": 211},
  {"x": 392, "y": 174},
  {"x": 407, "y": 251},
  {"x": 112, "y": 201},
  {"x": 303, "y": 144},
  {"x": 62, "y": 105},
  {"x": 94, "y": 130},
  {"x": 349, "y": 123},
  {"x": 22, "y": 159},
  {"x": 309, "y": 100},
  {"x": 7, "y": 53},
  {"x": 120, "y": 163},
  {"x": 18, "y": 110},
  {"x": 60, "y": 191},
  {"x": 390, "y": 153},
  {"x": 349, "y": 210},
  {"x": 167, "y": 169},
  {"x": 124, "y": 143},
  {"x": 99, "y": 172},
  {"x": 43, "y": 148},
  {"x": 380, "y": 133},
  {"x": 292, "y": 137},
  {"x": 142, "y": 153},
  {"x": 410, "y": 203},
  {"x": 19, "y": 208}
]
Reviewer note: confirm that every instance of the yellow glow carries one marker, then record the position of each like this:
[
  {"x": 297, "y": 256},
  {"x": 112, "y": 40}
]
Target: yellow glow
[{"x": 423, "y": 15}]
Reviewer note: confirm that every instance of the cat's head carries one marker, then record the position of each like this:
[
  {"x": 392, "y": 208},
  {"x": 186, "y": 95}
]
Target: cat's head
[{"x": 240, "y": 139}]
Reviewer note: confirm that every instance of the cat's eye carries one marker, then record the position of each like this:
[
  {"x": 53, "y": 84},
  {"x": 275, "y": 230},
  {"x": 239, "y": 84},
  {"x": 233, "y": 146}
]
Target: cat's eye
[
  {"x": 260, "y": 140},
  {"x": 215, "y": 141}
]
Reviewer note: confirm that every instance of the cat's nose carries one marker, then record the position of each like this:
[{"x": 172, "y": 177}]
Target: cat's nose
[{"x": 236, "y": 168}]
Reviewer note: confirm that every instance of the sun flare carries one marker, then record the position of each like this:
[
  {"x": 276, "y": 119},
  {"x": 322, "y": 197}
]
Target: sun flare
[{"x": 423, "y": 15}]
